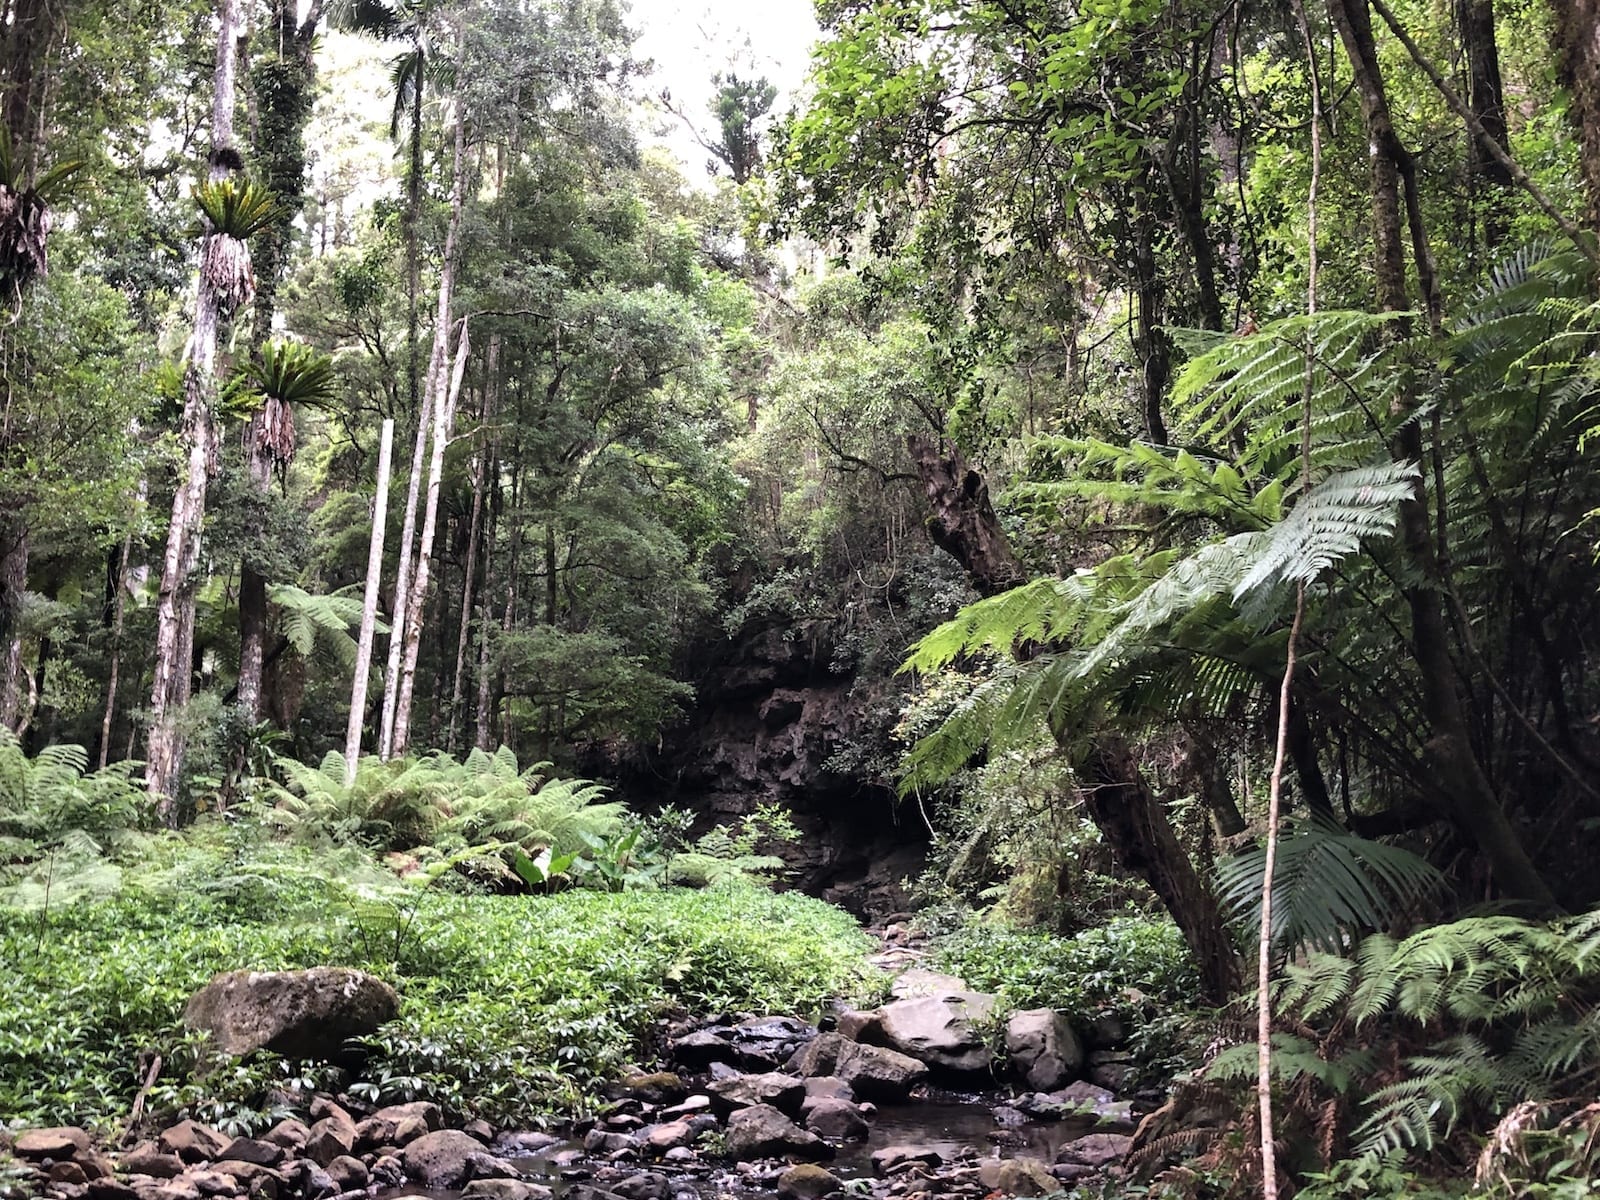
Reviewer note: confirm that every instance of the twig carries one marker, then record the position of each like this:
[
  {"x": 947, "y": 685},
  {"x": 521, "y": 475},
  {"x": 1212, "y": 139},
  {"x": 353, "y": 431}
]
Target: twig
[{"x": 137, "y": 1110}]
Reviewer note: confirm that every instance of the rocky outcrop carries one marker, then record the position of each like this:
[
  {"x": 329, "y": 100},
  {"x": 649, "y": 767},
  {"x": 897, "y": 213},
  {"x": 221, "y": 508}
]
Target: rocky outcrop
[
  {"x": 872, "y": 1072},
  {"x": 761, "y": 1131},
  {"x": 772, "y": 714},
  {"x": 1043, "y": 1049},
  {"x": 299, "y": 1014},
  {"x": 943, "y": 1030}
]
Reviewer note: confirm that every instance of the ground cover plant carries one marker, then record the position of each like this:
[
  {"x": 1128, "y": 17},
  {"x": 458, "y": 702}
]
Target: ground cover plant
[{"x": 513, "y": 1007}]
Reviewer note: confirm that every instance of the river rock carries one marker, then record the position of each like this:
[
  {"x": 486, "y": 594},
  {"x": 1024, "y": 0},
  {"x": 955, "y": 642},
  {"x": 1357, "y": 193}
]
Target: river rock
[
  {"x": 941, "y": 1030},
  {"x": 448, "y": 1158},
  {"x": 507, "y": 1189},
  {"x": 659, "y": 1087},
  {"x": 889, "y": 1159},
  {"x": 1043, "y": 1048},
  {"x": 920, "y": 982},
  {"x": 349, "y": 1173},
  {"x": 254, "y": 1179},
  {"x": 193, "y": 1142},
  {"x": 111, "y": 1189},
  {"x": 860, "y": 1025},
  {"x": 252, "y": 1150},
  {"x": 57, "y": 1144},
  {"x": 643, "y": 1185},
  {"x": 290, "y": 1134},
  {"x": 1017, "y": 1177},
  {"x": 833, "y": 1118},
  {"x": 783, "y": 1092},
  {"x": 826, "y": 1087},
  {"x": 761, "y": 1043},
  {"x": 872, "y": 1072},
  {"x": 761, "y": 1131},
  {"x": 1111, "y": 1068},
  {"x": 698, "y": 1050},
  {"x": 807, "y": 1181},
  {"x": 331, "y": 1138},
  {"x": 299, "y": 1014},
  {"x": 147, "y": 1158},
  {"x": 1096, "y": 1149}
]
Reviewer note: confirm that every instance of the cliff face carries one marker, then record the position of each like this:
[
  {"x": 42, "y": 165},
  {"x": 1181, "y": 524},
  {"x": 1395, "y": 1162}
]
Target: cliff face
[{"x": 770, "y": 716}]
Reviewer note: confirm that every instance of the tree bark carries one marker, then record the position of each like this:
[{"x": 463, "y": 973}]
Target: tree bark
[
  {"x": 1577, "y": 45},
  {"x": 369, "y": 607},
  {"x": 1485, "y": 96},
  {"x": 176, "y": 598},
  {"x": 1134, "y": 823},
  {"x": 1464, "y": 792},
  {"x": 963, "y": 523},
  {"x": 469, "y": 570},
  {"x": 282, "y": 86},
  {"x": 118, "y": 610},
  {"x": 1129, "y": 816},
  {"x": 13, "y": 583}
]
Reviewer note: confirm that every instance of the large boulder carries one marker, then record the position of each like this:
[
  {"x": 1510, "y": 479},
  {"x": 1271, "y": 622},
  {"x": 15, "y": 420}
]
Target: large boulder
[
  {"x": 1017, "y": 1177},
  {"x": 761, "y": 1131},
  {"x": 807, "y": 1181},
  {"x": 783, "y": 1092},
  {"x": 57, "y": 1144},
  {"x": 839, "y": 1119},
  {"x": 875, "y": 1073},
  {"x": 872, "y": 1072},
  {"x": 1043, "y": 1048},
  {"x": 943, "y": 1029},
  {"x": 301, "y": 1014},
  {"x": 448, "y": 1158}
]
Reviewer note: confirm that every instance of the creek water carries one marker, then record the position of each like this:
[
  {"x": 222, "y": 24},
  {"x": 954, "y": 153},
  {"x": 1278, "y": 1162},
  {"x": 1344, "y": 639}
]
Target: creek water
[{"x": 954, "y": 1128}]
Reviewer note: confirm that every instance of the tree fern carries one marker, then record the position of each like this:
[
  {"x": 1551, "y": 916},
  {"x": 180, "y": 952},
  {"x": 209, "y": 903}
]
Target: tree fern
[{"x": 1330, "y": 886}]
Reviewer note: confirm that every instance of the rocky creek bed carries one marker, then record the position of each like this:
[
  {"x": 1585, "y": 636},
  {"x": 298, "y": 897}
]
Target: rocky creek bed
[{"x": 904, "y": 1100}]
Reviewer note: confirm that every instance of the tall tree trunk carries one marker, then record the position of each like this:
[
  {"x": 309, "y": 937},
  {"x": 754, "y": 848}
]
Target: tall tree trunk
[
  {"x": 369, "y": 607},
  {"x": 282, "y": 87},
  {"x": 118, "y": 609},
  {"x": 29, "y": 35},
  {"x": 1129, "y": 816},
  {"x": 175, "y": 603},
  {"x": 1485, "y": 93},
  {"x": 13, "y": 583},
  {"x": 469, "y": 569},
  {"x": 1577, "y": 38},
  {"x": 1464, "y": 792},
  {"x": 1134, "y": 824}
]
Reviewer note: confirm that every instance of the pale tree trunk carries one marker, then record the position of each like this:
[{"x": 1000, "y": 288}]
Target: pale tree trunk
[
  {"x": 480, "y": 467},
  {"x": 483, "y": 732},
  {"x": 444, "y": 409},
  {"x": 253, "y": 596},
  {"x": 13, "y": 582},
  {"x": 402, "y": 581},
  {"x": 119, "y": 608},
  {"x": 175, "y": 604},
  {"x": 369, "y": 608}
]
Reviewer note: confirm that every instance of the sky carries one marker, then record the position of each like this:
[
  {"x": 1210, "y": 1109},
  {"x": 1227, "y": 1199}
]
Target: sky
[{"x": 689, "y": 40}]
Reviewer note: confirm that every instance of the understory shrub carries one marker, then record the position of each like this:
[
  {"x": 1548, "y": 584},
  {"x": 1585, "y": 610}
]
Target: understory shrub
[{"x": 513, "y": 1007}]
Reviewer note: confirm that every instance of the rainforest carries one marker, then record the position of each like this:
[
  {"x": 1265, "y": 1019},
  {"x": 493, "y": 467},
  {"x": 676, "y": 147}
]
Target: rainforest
[{"x": 847, "y": 598}]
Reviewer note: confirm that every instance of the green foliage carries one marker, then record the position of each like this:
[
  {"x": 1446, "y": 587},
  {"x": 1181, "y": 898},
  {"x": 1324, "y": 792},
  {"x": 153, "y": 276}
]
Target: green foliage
[
  {"x": 62, "y": 825},
  {"x": 1500, "y": 1010},
  {"x": 724, "y": 854},
  {"x": 236, "y": 208},
  {"x": 1081, "y": 973},
  {"x": 513, "y": 1008},
  {"x": 1329, "y": 888},
  {"x": 292, "y": 373}
]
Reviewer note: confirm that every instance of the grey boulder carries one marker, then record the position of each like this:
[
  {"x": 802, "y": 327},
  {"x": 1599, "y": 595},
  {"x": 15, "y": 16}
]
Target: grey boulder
[{"x": 299, "y": 1014}]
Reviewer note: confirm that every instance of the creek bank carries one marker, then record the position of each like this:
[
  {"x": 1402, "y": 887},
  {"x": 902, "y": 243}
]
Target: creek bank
[{"x": 756, "y": 1105}]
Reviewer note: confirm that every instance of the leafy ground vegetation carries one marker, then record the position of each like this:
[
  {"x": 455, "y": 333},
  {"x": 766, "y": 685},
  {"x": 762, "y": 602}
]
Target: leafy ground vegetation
[{"x": 1160, "y": 436}]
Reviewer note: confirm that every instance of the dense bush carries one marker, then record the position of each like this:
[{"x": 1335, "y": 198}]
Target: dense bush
[
  {"x": 1082, "y": 974},
  {"x": 512, "y": 1007}
]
